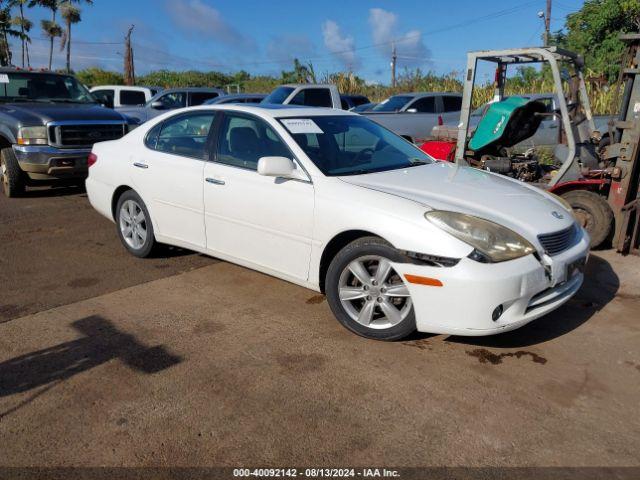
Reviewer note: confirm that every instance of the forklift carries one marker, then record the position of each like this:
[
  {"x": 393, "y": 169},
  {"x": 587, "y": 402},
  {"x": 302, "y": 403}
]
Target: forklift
[{"x": 596, "y": 172}]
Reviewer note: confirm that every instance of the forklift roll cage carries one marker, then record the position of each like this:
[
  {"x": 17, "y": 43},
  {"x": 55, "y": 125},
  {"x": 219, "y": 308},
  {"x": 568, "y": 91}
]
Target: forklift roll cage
[{"x": 524, "y": 56}]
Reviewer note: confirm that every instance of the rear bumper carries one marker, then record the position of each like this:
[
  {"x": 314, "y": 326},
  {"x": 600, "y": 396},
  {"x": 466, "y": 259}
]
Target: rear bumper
[
  {"x": 44, "y": 162},
  {"x": 471, "y": 292}
]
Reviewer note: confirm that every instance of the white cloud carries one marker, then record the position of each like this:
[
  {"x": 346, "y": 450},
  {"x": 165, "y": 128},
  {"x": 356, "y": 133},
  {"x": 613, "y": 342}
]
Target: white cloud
[
  {"x": 200, "y": 20},
  {"x": 410, "y": 46},
  {"x": 340, "y": 45}
]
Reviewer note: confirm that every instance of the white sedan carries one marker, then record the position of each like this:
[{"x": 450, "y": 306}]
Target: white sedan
[{"x": 336, "y": 203}]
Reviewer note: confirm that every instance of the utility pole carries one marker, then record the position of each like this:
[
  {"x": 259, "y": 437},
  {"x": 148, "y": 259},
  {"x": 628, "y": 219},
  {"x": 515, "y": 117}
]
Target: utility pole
[
  {"x": 394, "y": 57},
  {"x": 547, "y": 23},
  {"x": 129, "y": 70}
]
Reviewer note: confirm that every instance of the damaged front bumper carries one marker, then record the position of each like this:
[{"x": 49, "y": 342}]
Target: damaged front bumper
[{"x": 487, "y": 298}]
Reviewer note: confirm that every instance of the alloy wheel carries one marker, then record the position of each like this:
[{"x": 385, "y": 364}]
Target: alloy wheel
[
  {"x": 133, "y": 224},
  {"x": 373, "y": 294}
]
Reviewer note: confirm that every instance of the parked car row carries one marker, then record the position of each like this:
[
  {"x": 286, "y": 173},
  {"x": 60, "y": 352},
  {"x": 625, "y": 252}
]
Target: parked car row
[
  {"x": 411, "y": 115},
  {"x": 321, "y": 197}
]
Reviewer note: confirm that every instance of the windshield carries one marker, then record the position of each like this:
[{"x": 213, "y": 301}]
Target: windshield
[
  {"x": 352, "y": 145},
  {"x": 278, "y": 96},
  {"x": 42, "y": 87},
  {"x": 392, "y": 104}
]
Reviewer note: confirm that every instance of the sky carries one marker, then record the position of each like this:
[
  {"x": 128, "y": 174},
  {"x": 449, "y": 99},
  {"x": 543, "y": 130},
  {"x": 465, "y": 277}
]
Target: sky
[{"x": 263, "y": 37}]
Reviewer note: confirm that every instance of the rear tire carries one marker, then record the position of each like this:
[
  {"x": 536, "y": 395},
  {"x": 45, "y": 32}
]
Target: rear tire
[
  {"x": 134, "y": 225},
  {"x": 366, "y": 295},
  {"x": 594, "y": 214},
  {"x": 12, "y": 177}
]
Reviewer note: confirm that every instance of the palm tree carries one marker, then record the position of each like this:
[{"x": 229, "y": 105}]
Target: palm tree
[
  {"x": 71, "y": 15},
  {"x": 50, "y": 28},
  {"x": 20, "y": 22},
  {"x": 5, "y": 32},
  {"x": 26, "y": 26}
]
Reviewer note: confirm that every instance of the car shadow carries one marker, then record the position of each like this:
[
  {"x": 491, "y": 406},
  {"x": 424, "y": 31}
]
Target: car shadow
[
  {"x": 100, "y": 342},
  {"x": 53, "y": 191},
  {"x": 599, "y": 288}
]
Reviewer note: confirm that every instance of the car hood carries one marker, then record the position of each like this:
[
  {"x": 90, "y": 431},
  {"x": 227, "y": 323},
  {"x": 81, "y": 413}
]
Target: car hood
[
  {"x": 141, "y": 113},
  {"x": 447, "y": 186},
  {"x": 41, "y": 113}
]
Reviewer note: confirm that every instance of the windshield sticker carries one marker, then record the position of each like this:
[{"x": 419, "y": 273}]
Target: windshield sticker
[
  {"x": 301, "y": 125},
  {"x": 4, "y": 78}
]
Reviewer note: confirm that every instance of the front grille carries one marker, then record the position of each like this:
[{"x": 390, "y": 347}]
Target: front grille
[
  {"x": 85, "y": 134},
  {"x": 560, "y": 241}
]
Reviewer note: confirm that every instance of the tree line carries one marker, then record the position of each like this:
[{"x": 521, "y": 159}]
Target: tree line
[{"x": 15, "y": 24}]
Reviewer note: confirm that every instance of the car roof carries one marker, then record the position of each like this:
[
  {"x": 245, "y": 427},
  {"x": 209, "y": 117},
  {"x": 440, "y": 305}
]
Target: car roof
[
  {"x": 426, "y": 94},
  {"x": 193, "y": 89},
  {"x": 276, "y": 111},
  {"x": 131, "y": 87},
  {"x": 234, "y": 96}
]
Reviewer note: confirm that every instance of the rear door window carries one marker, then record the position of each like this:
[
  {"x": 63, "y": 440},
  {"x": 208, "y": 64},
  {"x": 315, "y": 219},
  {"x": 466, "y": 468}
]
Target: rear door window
[
  {"x": 451, "y": 103},
  {"x": 313, "y": 97},
  {"x": 132, "y": 97},
  {"x": 185, "y": 135},
  {"x": 198, "y": 98}
]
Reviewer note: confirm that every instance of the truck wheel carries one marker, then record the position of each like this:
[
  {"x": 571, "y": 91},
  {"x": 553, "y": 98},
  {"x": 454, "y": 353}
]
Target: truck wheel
[
  {"x": 593, "y": 212},
  {"x": 12, "y": 177}
]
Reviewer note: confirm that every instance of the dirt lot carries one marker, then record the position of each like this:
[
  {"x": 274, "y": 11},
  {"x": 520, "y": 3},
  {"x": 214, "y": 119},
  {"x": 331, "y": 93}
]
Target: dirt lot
[{"x": 186, "y": 361}]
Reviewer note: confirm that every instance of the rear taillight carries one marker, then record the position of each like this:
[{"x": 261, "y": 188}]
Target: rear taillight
[
  {"x": 440, "y": 121},
  {"x": 91, "y": 159}
]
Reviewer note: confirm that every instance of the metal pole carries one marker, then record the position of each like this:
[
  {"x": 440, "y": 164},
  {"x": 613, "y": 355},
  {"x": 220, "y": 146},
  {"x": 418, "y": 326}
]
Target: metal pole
[
  {"x": 394, "y": 57},
  {"x": 547, "y": 24}
]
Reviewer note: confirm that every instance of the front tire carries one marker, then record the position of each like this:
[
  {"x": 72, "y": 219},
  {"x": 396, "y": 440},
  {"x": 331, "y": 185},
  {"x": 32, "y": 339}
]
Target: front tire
[
  {"x": 594, "y": 214},
  {"x": 134, "y": 225},
  {"x": 13, "y": 181},
  {"x": 366, "y": 294}
]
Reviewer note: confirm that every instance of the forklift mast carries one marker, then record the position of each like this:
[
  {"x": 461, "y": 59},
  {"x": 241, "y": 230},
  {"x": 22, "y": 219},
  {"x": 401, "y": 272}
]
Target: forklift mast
[
  {"x": 576, "y": 118},
  {"x": 624, "y": 148}
]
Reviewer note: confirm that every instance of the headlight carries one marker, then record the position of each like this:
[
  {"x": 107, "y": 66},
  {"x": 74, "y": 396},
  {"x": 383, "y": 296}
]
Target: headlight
[
  {"x": 32, "y": 136},
  {"x": 494, "y": 242}
]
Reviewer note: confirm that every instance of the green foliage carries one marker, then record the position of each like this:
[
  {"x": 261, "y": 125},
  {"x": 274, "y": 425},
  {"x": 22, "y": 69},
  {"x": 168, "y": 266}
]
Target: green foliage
[
  {"x": 97, "y": 76},
  {"x": 593, "y": 31}
]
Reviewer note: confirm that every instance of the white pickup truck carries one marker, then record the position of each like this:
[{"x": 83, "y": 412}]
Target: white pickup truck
[{"x": 411, "y": 115}]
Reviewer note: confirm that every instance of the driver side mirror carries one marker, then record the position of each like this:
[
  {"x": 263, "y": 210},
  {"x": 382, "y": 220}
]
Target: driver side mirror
[
  {"x": 412, "y": 110},
  {"x": 158, "y": 105},
  {"x": 282, "y": 167}
]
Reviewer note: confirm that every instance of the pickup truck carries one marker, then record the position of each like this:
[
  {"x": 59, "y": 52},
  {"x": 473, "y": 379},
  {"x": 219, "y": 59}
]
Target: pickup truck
[
  {"x": 411, "y": 115},
  {"x": 118, "y": 96},
  {"x": 48, "y": 124}
]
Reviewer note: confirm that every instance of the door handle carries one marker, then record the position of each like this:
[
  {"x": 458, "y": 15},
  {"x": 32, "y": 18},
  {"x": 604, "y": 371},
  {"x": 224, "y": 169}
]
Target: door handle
[
  {"x": 140, "y": 165},
  {"x": 215, "y": 181}
]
